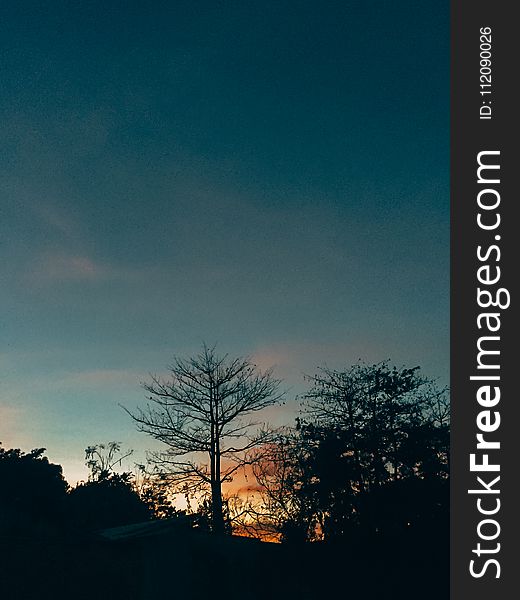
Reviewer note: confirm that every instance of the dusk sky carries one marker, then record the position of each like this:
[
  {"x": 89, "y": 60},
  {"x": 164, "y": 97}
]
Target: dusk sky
[{"x": 269, "y": 176}]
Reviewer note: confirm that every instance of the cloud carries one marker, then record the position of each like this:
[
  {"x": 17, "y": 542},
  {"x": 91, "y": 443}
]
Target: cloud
[
  {"x": 28, "y": 403},
  {"x": 304, "y": 356},
  {"x": 99, "y": 377},
  {"x": 78, "y": 380},
  {"x": 60, "y": 267},
  {"x": 73, "y": 267},
  {"x": 57, "y": 218}
]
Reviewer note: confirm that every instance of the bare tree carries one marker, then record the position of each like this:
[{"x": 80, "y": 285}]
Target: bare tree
[{"x": 202, "y": 413}]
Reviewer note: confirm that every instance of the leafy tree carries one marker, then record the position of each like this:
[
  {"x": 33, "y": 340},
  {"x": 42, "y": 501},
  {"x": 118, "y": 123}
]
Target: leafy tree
[
  {"x": 102, "y": 458},
  {"x": 371, "y": 446},
  {"x": 33, "y": 491},
  {"x": 202, "y": 414},
  {"x": 107, "y": 499},
  {"x": 109, "y": 502},
  {"x": 288, "y": 507},
  {"x": 155, "y": 491}
]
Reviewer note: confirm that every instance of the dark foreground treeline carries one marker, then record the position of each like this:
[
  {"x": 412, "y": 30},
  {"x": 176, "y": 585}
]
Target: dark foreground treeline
[
  {"x": 59, "y": 543},
  {"x": 196, "y": 565},
  {"x": 357, "y": 492}
]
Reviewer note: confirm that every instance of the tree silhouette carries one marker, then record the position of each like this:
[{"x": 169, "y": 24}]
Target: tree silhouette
[
  {"x": 202, "y": 414},
  {"x": 33, "y": 492},
  {"x": 109, "y": 502},
  {"x": 108, "y": 498},
  {"x": 287, "y": 510},
  {"x": 155, "y": 491},
  {"x": 370, "y": 450},
  {"x": 380, "y": 409},
  {"x": 102, "y": 458}
]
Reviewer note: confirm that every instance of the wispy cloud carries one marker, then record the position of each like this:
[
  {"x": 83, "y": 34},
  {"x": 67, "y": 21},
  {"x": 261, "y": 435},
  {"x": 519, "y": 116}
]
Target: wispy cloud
[
  {"x": 75, "y": 380},
  {"x": 100, "y": 377},
  {"x": 57, "y": 218},
  {"x": 61, "y": 267},
  {"x": 71, "y": 267},
  {"x": 304, "y": 356}
]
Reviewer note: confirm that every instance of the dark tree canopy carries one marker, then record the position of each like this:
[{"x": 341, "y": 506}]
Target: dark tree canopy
[
  {"x": 203, "y": 415},
  {"x": 107, "y": 499},
  {"x": 33, "y": 491},
  {"x": 370, "y": 450},
  {"x": 109, "y": 502}
]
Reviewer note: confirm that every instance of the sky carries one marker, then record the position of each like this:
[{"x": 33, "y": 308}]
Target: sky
[{"x": 272, "y": 177}]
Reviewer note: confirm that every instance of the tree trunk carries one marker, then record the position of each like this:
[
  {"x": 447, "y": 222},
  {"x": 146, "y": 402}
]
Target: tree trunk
[{"x": 217, "y": 515}]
